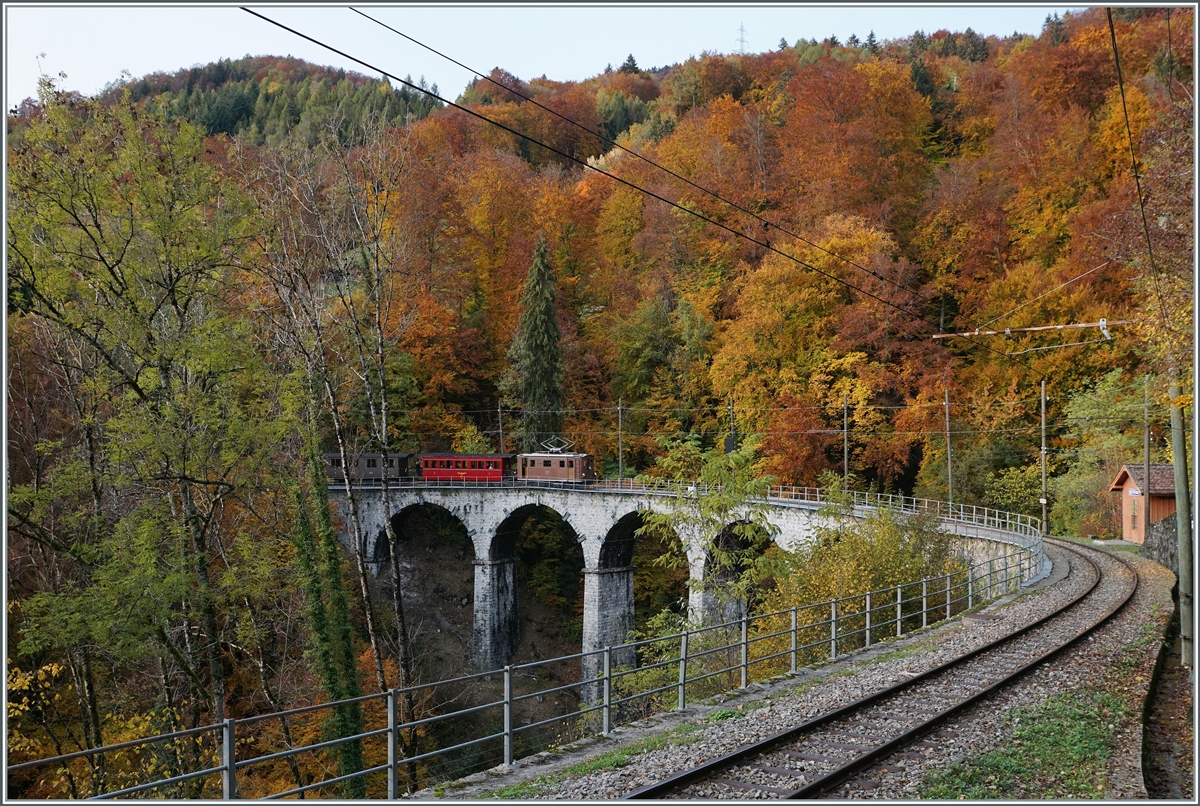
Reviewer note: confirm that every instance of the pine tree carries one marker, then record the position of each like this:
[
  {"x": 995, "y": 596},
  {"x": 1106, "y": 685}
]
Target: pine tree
[
  {"x": 630, "y": 65},
  {"x": 535, "y": 357},
  {"x": 918, "y": 44},
  {"x": 1055, "y": 29},
  {"x": 872, "y": 44}
]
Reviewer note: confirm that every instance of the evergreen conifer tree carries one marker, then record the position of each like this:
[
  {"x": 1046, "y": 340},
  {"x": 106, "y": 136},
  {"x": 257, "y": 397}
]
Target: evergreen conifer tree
[
  {"x": 872, "y": 44},
  {"x": 1055, "y": 29},
  {"x": 535, "y": 357}
]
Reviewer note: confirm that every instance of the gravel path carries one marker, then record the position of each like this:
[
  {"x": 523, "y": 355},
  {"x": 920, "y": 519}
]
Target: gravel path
[{"x": 794, "y": 699}]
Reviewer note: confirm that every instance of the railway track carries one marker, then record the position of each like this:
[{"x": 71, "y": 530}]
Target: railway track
[{"x": 817, "y": 756}]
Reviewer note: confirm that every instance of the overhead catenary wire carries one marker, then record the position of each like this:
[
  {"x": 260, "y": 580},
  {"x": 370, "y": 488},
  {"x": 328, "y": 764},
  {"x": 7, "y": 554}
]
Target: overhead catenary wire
[
  {"x": 627, "y": 183},
  {"x": 609, "y": 141},
  {"x": 1137, "y": 179},
  {"x": 1043, "y": 296}
]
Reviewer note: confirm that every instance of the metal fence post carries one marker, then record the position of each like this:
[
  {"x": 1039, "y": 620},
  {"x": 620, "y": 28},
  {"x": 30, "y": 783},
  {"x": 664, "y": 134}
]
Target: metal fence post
[
  {"x": 947, "y": 596},
  {"x": 899, "y": 611},
  {"x": 393, "y": 763},
  {"x": 833, "y": 629},
  {"x": 745, "y": 649},
  {"x": 793, "y": 640},
  {"x": 228, "y": 762},
  {"x": 868, "y": 609},
  {"x": 607, "y": 689},
  {"x": 924, "y": 602},
  {"x": 970, "y": 587},
  {"x": 508, "y": 717},
  {"x": 991, "y": 586},
  {"x": 683, "y": 653},
  {"x": 1007, "y": 575}
]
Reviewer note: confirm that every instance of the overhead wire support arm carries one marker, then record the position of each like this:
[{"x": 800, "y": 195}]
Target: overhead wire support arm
[{"x": 1103, "y": 324}]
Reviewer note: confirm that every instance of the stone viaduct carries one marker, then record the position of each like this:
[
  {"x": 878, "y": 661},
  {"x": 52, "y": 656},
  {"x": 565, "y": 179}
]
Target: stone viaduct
[{"x": 604, "y": 519}]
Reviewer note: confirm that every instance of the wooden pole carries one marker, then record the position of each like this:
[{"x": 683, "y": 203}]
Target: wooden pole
[
  {"x": 845, "y": 443},
  {"x": 949, "y": 463},
  {"x": 1183, "y": 521},
  {"x": 620, "y": 442},
  {"x": 1045, "y": 499},
  {"x": 1146, "y": 458}
]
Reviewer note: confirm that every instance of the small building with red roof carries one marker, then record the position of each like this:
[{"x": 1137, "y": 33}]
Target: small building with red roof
[{"x": 1131, "y": 483}]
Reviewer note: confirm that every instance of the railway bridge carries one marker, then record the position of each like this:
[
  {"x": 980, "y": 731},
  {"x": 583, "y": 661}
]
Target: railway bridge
[{"x": 604, "y": 517}]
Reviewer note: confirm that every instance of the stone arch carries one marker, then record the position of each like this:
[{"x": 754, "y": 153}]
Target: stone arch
[
  {"x": 722, "y": 563},
  {"x": 617, "y": 549},
  {"x": 436, "y": 558},
  {"x": 498, "y": 627}
]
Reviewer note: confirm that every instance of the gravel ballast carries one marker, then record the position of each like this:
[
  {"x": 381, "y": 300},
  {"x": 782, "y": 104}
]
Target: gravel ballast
[{"x": 1105, "y": 661}]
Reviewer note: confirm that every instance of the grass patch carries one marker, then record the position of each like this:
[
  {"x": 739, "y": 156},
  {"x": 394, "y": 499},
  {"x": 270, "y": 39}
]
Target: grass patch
[
  {"x": 800, "y": 688},
  {"x": 612, "y": 760},
  {"x": 920, "y": 648},
  {"x": 722, "y": 715},
  {"x": 1058, "y": 750}
]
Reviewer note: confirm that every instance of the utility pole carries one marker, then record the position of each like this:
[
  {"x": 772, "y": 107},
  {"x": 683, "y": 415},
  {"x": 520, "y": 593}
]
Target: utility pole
[
  {"x": 1183, "y": 520},
  {"x": 949, "y": 463},
  {"x": 620, "y": 443},
  {"x": 742, "y": 39},
  {"x": 500, "y": 417},
  {"x": 845, "y": 443},
  {"x": 731, "y": 440},
  {"x": 1146, "y": 457},
  {"x": 1045, "y": 498}
]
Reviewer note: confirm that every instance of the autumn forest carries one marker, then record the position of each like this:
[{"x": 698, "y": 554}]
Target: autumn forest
[{"x": 219, "y": 275}]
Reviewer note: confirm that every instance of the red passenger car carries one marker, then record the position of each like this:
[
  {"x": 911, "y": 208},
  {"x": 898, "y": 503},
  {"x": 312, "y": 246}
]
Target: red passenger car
[{"x": 467, "y": 466}]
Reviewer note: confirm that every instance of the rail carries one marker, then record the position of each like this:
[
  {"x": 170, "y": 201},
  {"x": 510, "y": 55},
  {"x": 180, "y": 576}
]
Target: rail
[{"x": 636, "y": 679}]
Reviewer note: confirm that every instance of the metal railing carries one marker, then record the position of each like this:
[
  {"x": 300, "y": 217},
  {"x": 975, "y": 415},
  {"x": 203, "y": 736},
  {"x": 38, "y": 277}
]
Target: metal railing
[{"x": 634, "y": 680}]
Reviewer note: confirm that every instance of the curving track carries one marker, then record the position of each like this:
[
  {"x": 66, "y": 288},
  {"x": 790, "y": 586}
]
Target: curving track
[{"x": 820, "y": 754}]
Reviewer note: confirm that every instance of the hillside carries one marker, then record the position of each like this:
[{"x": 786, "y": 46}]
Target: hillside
[{"x": 219, "y": 275}]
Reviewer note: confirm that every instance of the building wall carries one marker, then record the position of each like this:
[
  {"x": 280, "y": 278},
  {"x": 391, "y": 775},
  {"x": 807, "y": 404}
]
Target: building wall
[{"x": 1161, "y": 506}]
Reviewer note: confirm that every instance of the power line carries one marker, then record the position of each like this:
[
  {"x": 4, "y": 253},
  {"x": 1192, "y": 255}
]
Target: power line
[
  {"x": 1137, "y": 179},
  {"x": 583, "y": 163},
  {"x": 1042, "y": 296},
  {"x": 608, "y": 141}
]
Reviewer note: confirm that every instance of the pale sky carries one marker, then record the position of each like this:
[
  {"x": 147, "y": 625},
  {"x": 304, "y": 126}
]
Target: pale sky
[{"x": 93, "y": 43}]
